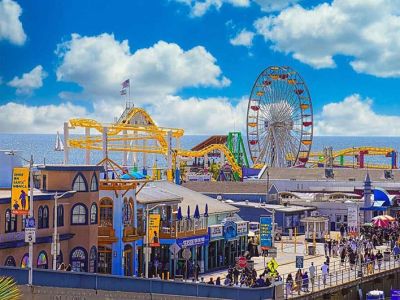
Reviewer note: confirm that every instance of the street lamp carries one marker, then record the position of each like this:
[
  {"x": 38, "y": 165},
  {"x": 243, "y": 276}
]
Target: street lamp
[
  {"x": 30, "y": 264},
  {"x": 55, "y": 244},
  {"x": 146, "y": 252}
]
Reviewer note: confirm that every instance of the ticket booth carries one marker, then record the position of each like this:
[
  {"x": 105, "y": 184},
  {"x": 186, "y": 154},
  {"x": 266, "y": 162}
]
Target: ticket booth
[{"x": 318, "y": 226}]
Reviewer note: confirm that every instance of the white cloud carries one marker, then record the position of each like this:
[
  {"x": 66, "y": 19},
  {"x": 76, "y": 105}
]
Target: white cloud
[
  {"x": 29, "y": 81},
  {"x": 20, "y": 118},
  {"x": 274, "y": 5},
  {"x": 10, "y": 25},
  {"x": 100, "y": 63},
  {"x": 355, "y": 116},
  {"x": 243, "y": 38},
  {"x": 199, "y": 7},
  {"x": 366, "y": 30}
]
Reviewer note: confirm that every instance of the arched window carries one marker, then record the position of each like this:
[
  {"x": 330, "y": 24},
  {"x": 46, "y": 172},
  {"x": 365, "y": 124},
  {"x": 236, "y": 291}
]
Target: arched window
[
  {"x": 93, "y": 260},
  {"x": 94, "y": 185},
  {"x": 10, "y": 221},
  {"x": 45, "y": 217},
  {"x": 93, "y": 214},
  {"x": 40, "y": 217},
  {"x": 79, "y": 214},
  {"x": 106, "y": 212},
  {"x": 79, "y": 184},
  {"x": 60, "y": 215},
  {"x": 25, "y": 261},
  {"x": 10, "y": 262},
  {"x": 79, "y": 259},
  {"x": 42, "y": 262}
]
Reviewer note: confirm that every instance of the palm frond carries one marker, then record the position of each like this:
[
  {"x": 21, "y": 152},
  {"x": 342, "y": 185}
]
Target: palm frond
[{"x": 9, "y": 289}]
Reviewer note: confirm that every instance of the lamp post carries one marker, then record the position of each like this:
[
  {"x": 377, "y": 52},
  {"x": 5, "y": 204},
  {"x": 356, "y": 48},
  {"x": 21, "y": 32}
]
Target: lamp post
[
  {"x": 54, "y": 247},
  {"x": 146, "y": 251},
  {"x": 30, "y": 264}
]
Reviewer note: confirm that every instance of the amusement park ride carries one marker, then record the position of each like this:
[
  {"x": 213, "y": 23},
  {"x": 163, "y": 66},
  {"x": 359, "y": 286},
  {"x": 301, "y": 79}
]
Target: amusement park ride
[{"x": 279, "y": 134}]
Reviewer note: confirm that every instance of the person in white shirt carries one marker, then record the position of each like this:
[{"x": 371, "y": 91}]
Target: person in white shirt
[{"x": 325, "y": 272}]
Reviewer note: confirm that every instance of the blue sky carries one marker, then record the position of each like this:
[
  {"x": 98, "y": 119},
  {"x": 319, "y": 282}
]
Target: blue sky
[{"x": 189, "y": 65}]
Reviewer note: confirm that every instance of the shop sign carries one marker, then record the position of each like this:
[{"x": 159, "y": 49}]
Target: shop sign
[
  {"x": 230, "y": 230},
  {"x": 19, "y": 191},
  {"x": 193, "y": 241},
  {"x": 352, "y": 217},
  {"x": 242, "y": 228},
  {"x": 265, "y": 232},
  {"x": 216, "y": 231}
]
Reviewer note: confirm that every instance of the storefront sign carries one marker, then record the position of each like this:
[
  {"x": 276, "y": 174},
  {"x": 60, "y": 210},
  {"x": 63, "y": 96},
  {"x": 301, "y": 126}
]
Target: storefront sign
[
  {"x": 154, "y": 230},
  {"x": 193, "y": 241},
  {"x": 230, "y": 231},
  {"x": 266, "y": 232},
  {"x": 352, "y": 217},
  {"x": 242, "y": 228},
  {"x": 19, "y": 192},
  {"x": 216, "y": 231}
]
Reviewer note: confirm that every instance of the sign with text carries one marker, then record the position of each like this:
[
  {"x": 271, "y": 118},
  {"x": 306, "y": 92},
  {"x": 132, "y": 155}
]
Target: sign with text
[
  {"x": 19, "y": 191},
  {"x": 265, "y": 232},
  {"x": 216, "y": 231},
  {"x": 193, "y": 241},
  {"x": 242, "y": 228},
  {"x": 352, "y": 217},
  {"x": 154, "y": 230},
  {"x": 230, "y": 230},
  {"x": 299, "y": 262},
  {"x": 30, "y": 235}
]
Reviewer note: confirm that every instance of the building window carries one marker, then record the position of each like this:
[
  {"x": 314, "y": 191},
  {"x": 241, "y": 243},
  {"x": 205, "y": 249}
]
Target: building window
[
  {"x": 42, "y": 262},
  {"x": 60, "y": 216},
  {"x": 79, "y": 259},
  {"x": 45, "y": 219},
  {"x": 106, "y": 212},
  {"x": 79, "y": 184},
  {"x": 93, "y": 214},
  {"x": 25, "y": 261},
  {"x": 10, "y": 221},
  {"x": 44, "y": 182},
  {"x": 79, "y": 214},
  {"x": 10, "y": 262},
  {"x": 93, "y": 260},
  {"x": 94, "y": 185},
  {"x": 105, "y": 260},
  {"x": 127, "y": 211},
  {"x": 40, "y": 217}
]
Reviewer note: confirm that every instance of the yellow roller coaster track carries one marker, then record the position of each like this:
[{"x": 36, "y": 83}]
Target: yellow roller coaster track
[
  {"x": 356, "y": 151},
  {"x": 221, "y": 147}
]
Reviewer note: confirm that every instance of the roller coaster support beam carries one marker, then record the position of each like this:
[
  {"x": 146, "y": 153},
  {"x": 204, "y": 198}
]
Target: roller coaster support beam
[
  {"x": 125, "y": 153},
  {"x": 169, "y": 156},
  {"x": 177, "y": 163},
  {"x": 87, "y": 150},
  {"x": 144, "y": 158},
  {"x": 66, "y": 147}
]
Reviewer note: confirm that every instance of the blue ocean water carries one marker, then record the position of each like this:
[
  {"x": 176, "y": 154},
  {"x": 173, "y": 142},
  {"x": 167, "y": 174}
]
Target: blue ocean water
[{"x": 42, "y": 147}]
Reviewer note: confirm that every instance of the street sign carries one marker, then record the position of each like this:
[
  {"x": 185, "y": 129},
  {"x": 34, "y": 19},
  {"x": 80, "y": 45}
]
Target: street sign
[
  {"x": 30, "y": 223},
  {"x": 299, "y": 262},
  {"x": 242, "y": 262},
  {"x": 186, "y": 253},
  {"x": 30, "y": 235}
]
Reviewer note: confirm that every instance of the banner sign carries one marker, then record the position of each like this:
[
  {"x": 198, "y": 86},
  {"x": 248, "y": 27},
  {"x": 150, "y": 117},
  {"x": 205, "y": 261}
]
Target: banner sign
[
  {"x": 242, "y": 228},
  {"x": 352, "y": 216},
  {"x": 193, "y": 241},
  {"x": 230, "y": 230},
  {"x": 216, "y": 231},
  {"x": 154, "y": 230},
  {"x": 19, "y": 191},
  {"x": 266, "y": 232}
]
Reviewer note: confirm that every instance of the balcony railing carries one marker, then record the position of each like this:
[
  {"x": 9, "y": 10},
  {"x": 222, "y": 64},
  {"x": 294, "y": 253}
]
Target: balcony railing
[
  {"x": 130, "y": 234},
  {"x": 106, "y": 235},
  {"x": 183, "y": 228}
]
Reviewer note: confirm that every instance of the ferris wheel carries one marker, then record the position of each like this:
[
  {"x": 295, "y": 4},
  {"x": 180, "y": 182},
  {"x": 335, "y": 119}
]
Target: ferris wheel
[{"x": 279, "y": 119}]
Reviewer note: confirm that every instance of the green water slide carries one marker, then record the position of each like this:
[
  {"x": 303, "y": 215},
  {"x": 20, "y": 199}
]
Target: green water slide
[{"x": 235, "y": 144}]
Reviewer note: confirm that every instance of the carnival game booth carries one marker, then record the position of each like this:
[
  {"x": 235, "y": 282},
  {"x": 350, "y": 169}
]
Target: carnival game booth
[{"x": 316, "y": 228}]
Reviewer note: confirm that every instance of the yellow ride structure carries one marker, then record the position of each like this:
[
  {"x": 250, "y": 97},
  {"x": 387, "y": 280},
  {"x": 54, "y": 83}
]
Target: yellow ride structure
[{"x": 135, "y": 132}]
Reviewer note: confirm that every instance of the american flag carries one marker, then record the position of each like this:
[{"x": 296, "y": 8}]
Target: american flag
[
  {"x": 125, "y": 83},
  {"x": 123, "y": 92}
]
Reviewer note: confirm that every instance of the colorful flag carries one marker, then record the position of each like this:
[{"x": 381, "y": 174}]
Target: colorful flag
[
  {"x": 19, "y": 192},
  {"x": 123, "y": 92},
  {"x": 125, "y": 83}
]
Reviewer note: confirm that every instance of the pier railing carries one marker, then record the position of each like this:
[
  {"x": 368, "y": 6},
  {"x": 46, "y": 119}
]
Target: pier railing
[{"x": 339, "y": 274}]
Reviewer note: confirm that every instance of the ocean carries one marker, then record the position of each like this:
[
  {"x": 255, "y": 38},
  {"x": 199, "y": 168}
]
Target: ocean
[{"x": 42, "y": 147}]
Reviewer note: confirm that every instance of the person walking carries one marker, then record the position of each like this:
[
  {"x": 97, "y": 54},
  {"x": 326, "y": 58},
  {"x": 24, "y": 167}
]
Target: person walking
[
  {"x": 289, "y": 285},
  {"x": 379, "y": 258},
  {"x": 298, "y": 279},
  {"x": 312, "y": 271},
  {"x": 305, "y": 282},
  {"x": 325, "y": 272},
  {"x": 197, "y": 271}
]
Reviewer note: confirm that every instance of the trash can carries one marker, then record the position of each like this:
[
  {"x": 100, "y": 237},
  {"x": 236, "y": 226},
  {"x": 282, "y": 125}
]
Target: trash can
[
  {"x": 386, "y": 255},
  {"x": 311, "y": 250}
]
